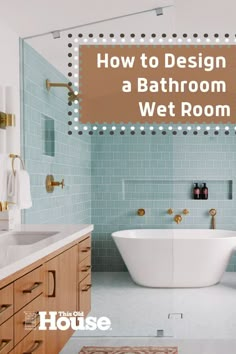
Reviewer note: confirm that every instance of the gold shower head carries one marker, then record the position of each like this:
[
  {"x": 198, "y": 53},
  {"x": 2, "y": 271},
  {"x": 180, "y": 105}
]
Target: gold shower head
[{"x": 72, "y": 95}]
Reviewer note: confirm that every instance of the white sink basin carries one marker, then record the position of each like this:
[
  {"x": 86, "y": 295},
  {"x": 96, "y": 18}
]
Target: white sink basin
[
  {"x": 24, "y": 238},
  {"x": 18, "y": 244}
]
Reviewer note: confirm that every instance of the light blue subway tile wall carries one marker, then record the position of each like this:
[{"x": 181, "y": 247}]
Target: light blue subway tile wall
[
  {"x": 53, "y": 152},
  {"x": 156, "y": 172}
]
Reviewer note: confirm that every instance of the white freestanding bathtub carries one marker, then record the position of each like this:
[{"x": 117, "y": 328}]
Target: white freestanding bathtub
[{"x": 175, "y": 258}]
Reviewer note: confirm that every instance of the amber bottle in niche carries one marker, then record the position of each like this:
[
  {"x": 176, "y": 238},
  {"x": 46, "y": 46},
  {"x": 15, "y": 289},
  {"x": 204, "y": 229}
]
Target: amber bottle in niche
[
  {"x": 196, "y": 191},
  {"x": 204, "y": 192}
]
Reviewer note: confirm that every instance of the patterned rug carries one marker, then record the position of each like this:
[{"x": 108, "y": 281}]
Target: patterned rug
[{"x": 129, "y": 350}]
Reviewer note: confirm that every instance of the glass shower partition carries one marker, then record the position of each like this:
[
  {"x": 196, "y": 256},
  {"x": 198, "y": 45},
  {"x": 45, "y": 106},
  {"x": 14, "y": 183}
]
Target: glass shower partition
[{"x": 108, "y": 178}]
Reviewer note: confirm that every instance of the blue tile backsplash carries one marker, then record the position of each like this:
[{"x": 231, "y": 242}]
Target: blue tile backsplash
[{"x": 109, "y": 177}]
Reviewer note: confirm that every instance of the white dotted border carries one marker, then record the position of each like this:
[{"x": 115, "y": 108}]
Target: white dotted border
[
  {"x": 152, "y": 128},
  {"x": 148, "y": 40},
  {"x": 187, "y": 39}
]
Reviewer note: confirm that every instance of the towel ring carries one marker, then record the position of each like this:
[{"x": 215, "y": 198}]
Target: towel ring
[{"x": 13, "y": 157}]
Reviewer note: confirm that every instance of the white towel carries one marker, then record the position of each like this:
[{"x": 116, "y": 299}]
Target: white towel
[
  {"x": 19, "y": 189},
  {"x": 3, "y": 177}
]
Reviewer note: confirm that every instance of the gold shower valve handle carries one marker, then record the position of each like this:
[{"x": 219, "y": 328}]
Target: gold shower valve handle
[
  {"x": 141, "y": 212},
  {"x": 51, "y": 183},
  {"x": 170, "y": 211},
  {"x": 185, "y": 211}
]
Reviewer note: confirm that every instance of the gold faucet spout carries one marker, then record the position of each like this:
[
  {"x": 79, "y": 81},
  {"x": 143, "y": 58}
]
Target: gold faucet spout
[{"x": 178, "y": 219}]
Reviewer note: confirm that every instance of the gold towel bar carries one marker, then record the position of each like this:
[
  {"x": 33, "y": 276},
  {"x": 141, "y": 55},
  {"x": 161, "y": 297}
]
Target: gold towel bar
[{"x": 13, "y": 157}]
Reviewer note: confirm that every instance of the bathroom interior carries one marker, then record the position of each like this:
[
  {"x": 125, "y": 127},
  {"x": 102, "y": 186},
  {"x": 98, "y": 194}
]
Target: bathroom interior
[{"x": 107, "y": 178}]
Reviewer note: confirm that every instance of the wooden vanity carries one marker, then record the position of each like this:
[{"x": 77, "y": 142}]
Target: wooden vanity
[{"x": 61, "y": 281}]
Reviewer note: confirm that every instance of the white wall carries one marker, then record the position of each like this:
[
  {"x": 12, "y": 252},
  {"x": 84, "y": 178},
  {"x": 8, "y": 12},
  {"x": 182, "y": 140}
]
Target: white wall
[{"x": 10, "y": 74}]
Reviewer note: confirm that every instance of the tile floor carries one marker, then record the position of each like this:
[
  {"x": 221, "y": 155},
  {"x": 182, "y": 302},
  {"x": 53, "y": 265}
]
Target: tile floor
[{"x": 208, "y": 325}]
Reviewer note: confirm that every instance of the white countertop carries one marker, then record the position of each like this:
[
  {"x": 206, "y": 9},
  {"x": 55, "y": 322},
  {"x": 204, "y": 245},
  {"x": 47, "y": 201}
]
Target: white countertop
[{"x": 17, "y": 257}]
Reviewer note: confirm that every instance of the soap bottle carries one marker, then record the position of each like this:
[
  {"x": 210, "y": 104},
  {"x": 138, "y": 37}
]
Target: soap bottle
[
  {"x": 204, "y": 192},
  {"x": 196, "y": 191}
]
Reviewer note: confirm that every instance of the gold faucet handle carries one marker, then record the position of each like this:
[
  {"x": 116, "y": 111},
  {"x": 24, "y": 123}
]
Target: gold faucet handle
[
  {"x": 170, "y": 211},
  {"x": 185, "y": 211}
]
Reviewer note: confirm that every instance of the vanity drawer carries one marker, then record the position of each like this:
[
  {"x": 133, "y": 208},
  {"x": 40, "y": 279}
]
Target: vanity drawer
[
  {"x": 28, "y": 287},
  {"x": 32, "y": 343},
  {"x": 6, "y": 336},
  {"x": 84, "y": 268},
  {"x": 27, "y": 318},
  {"x": 6, "y": 303},
  {"x": 84, "y": 304},
  {"x": 84, "y": 249}
]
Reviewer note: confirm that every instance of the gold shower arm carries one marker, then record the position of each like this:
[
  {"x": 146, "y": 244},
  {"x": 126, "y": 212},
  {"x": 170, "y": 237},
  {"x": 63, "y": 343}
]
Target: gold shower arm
[{"x": 62, "y": 84}]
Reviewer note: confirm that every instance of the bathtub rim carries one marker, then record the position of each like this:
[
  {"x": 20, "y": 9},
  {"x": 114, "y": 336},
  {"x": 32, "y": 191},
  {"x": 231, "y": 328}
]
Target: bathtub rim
[{"x": 173, "y": 234}]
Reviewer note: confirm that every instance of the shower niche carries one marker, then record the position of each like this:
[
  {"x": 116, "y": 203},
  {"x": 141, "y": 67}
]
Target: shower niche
[
  {"x": 48, "y": 136},
  {"x": 174, "y": 189}
]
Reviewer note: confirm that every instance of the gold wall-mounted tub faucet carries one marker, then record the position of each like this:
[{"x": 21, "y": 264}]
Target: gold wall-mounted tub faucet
[{"x": 178, "y": 219}]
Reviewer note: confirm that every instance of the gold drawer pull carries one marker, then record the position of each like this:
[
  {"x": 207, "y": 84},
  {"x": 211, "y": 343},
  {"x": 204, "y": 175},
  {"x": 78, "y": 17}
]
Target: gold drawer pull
[
  {"x": 87, "y": 287},
  {"x": 85, "y": 269},
  {"x": 35, "y": 347},
  {"x": 4, "y": 308},
  {"x": 35, "y": 286},
  {"x": 4, "y": 343},
  {"x": 87, "y": 249},
  {"x": 53, "y": 272}
]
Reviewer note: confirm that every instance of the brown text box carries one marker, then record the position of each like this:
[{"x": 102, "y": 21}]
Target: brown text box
[{"x": 102, "y": 99}]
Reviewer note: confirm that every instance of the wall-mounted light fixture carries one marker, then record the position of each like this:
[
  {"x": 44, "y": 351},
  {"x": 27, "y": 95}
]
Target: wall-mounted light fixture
[
  {"x": 7, "y": 117},
  {"x": 8, "y": 109},
  {"x": 7, "y": 120}
]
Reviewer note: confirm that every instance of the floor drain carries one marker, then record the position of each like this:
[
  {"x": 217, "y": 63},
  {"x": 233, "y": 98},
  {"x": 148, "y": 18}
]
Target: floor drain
[
  {"x": 160, "y": 333},
  {"x": 175, "y": 316}
]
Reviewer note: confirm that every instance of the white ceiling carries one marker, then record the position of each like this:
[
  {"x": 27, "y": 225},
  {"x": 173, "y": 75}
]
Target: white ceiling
[{"x": 29, "y": 18}]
